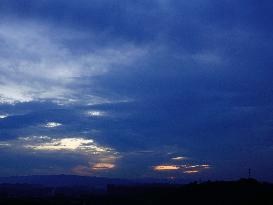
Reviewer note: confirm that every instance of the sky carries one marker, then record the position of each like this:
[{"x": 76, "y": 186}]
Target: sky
[{"x": 169, "y": 89}]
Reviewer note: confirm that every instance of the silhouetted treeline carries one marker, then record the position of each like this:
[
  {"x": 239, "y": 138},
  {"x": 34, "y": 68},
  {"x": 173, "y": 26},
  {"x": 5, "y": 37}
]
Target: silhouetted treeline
[{"x": 245, "y": 192}]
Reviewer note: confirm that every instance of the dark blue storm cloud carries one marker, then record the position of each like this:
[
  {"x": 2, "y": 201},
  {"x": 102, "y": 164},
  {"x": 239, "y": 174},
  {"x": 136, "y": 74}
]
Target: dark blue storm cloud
[{"x": 126, "y": 89}]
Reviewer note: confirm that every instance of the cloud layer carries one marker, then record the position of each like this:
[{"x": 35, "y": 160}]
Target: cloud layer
[
  {"x": 163, "y": 83},
  {"x": 36, "y": 65}
]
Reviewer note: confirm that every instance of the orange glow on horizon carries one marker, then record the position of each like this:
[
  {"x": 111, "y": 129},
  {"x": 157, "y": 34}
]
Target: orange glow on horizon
[
  {"x": 187, "y": 169},
  {"x": 166, "y": 167},
  {"x": 103, "y": 166}
]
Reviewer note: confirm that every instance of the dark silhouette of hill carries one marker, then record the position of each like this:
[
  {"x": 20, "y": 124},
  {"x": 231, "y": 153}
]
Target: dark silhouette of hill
[
  {"x": 242, "y": 192},
  {"x": 63, "y": 181},
  {"x": 75, "y": 180}
]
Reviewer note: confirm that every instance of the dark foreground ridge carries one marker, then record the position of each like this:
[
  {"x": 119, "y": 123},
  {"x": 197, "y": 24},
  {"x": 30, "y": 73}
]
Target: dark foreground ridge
[{"x": 244, "y": 191}]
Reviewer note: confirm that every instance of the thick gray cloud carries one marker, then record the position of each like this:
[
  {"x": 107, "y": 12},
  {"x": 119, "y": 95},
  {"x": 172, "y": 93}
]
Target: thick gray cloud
[{"x": 169, "y": 78}]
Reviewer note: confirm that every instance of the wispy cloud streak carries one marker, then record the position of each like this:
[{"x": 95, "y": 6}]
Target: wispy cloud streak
[{"x": 36, "y": 65}]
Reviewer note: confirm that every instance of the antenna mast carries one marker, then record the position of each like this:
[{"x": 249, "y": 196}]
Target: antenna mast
[{"x": 249, "y": 173}]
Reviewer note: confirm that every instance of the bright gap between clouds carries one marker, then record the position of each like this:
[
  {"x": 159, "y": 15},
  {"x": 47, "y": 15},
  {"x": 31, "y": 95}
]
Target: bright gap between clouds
[
  {"x": 52, "y": 125},
  {"x": 3, "y": 116},
  {"x": 83, "y": 145},
  {"x": 96, "y": 113},
  {"x": 179, "y": 158},
  {"x": 96, "y": 156}
]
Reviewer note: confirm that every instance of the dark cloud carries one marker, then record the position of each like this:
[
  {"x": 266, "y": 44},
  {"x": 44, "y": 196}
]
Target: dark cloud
[{"x": 199, "y": 81}]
